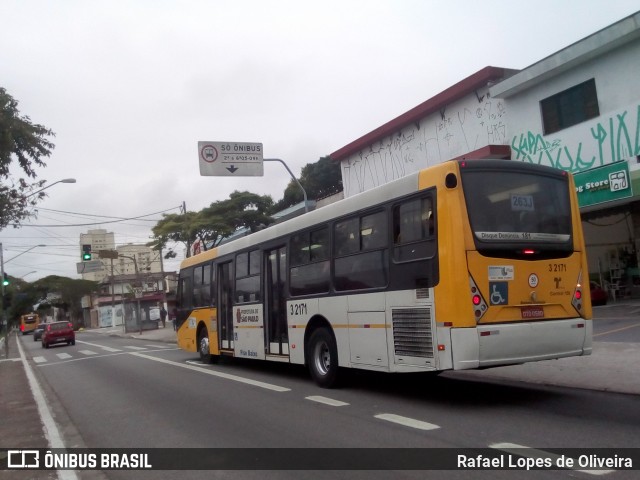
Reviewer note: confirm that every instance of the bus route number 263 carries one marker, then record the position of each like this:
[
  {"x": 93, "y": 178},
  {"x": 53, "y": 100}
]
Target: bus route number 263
[{"x": 298, "y": 309}]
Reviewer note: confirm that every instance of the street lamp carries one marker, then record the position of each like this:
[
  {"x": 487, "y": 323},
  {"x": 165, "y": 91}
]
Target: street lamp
[
  {"x": 64, "y": 180},
  {"x": 22, "y": 253}
]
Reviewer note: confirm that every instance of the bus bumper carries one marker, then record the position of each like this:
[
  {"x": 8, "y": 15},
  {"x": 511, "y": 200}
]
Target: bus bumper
[{"x": 508, "y": 344}]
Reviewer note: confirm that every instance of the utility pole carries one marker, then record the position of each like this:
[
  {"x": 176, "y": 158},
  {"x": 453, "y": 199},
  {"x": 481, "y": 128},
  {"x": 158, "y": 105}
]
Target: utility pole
[{"x": 3, "y": 318}]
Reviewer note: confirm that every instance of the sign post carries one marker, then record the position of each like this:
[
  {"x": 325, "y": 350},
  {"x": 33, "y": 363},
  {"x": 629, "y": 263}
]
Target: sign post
[{"x": 230, "y": 159}]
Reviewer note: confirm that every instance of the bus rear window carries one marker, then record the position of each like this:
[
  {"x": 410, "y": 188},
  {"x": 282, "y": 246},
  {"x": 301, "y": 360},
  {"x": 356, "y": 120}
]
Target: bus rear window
[{"x": 508, "y": 209}]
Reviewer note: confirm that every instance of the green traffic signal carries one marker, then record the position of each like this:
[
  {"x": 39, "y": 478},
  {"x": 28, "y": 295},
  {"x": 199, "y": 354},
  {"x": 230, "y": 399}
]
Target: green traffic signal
[
  {"x": 5, "y": 280},
  {"x": 86, "y": 252}
]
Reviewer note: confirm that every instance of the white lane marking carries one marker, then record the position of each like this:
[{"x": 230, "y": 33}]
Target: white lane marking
[
  {"x": 208, "y": 371},
  {"x": 406, "y": 421},
  {"x": 63, "y": 356},
  {"x": 158, "y": 346},
  {"x": 39, "y": 359},
  {"x": 50, "y": 429},
  {"x": 106, "y": 349},
  {"x": 131, "y": 347},
  {"x": 524, "y": 451},
  {"x": 87, "y": 352},
  {"x": 327, "y": 401}
]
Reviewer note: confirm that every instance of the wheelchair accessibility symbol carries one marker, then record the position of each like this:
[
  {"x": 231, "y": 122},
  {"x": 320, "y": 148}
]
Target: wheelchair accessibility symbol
[{"x": 499, "y": 293}]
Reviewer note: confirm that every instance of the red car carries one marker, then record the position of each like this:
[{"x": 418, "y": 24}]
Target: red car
[
  {"x": 598, "y": 294},
  {"x": 58, "y": 332}
]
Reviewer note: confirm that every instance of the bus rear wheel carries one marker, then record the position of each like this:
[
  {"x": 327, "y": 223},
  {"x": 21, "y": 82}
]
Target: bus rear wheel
[{"x": 322, "y": 358}]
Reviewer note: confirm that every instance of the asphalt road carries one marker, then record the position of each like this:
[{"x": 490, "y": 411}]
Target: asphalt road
[{"x": 119, "y": 392}]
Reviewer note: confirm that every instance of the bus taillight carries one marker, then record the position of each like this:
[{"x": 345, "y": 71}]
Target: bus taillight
[
  {"x": 576, "y": 301},
  {"x": 479, "y": 305}
]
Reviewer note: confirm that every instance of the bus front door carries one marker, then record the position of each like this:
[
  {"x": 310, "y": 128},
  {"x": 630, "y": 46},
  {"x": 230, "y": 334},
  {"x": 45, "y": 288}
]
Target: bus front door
[
  {"x": 275, "y": 305},
  {"x": 225, "y": 306}
]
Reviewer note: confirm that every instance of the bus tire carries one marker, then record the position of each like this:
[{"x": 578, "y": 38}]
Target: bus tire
[
  {"x": 322, "y": 358},
  {"x": 203, "y": 346}
]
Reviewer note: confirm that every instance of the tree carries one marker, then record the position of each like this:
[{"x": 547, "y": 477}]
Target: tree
[
  {"x": 175, "y": 227},
  {"x": 319, "y": 180},
  {"x": 240, "y": 210},
  {"x": 62, "y": 292},
  {"x": 213, "y": 223},
  {"x": 27, "y": 143}
]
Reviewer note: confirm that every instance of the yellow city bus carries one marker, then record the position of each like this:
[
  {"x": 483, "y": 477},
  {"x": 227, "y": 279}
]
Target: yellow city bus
[
  {"x": 467, "y": 264},
  {"x": 29, "y": 322}
]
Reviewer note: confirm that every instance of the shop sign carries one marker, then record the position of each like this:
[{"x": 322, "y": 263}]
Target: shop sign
[{"x": 603, "y": 184}]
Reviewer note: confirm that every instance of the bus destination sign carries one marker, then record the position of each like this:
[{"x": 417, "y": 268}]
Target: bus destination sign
[{"x": 230, "y": 159}]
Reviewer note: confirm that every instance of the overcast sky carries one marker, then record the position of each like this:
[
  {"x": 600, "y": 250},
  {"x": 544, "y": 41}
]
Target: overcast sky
[{"x": 130, "y": 87}]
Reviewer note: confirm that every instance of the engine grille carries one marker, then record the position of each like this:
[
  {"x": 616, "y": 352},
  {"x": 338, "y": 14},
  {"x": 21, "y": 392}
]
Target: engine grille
[{"x": 412, "y": 333}]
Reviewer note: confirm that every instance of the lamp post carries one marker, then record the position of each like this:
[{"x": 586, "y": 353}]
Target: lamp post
[
  {"x": 64, "y": 180},
  {"x": 22, "y": 253}
]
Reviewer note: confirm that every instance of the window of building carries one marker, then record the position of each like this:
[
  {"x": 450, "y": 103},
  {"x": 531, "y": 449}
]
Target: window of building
[{"x": 570, "y": 107}]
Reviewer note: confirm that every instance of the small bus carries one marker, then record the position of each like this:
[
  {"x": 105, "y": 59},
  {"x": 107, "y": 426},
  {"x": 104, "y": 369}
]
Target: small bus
[
  {"x": 463, "y": 265},
  {"x": 29, "y": 322}
]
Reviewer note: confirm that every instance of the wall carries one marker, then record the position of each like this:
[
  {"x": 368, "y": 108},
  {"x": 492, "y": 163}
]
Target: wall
[
  {"x": 471, "y": 123},
  {"x": 613, "y": 136}
]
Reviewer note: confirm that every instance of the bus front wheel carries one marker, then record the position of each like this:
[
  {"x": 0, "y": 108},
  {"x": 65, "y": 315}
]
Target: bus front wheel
[{"x": 322, "y": 358}]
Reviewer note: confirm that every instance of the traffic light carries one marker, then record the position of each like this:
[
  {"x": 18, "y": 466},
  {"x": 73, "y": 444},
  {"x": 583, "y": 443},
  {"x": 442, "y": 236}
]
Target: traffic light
[
  {"x": 5, "y": 280},
  {"x": 86, "y": 252}
]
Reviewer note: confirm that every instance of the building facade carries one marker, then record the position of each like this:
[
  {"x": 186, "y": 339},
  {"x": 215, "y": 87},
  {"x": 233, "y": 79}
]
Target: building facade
[
  {"x": 98, "y": 239},
  {"x": 577, "y": 110}
]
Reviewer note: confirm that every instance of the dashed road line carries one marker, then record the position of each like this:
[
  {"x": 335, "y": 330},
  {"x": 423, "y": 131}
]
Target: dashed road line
[
  {"x": 63, "y": 356},
  {"x": 39, "y": 359},
  {"x": 406, "y": 421},
  {"x": 87, "y": 352},
  {"x": 327, "y": 401}
]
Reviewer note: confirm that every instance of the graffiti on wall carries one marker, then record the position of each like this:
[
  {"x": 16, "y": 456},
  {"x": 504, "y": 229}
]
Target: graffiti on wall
[
  {"x": 608, "y": 140},
  {"x": 446, "y": 134}
]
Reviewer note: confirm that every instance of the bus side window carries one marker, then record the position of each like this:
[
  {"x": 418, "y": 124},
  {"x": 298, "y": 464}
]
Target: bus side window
[
  {"x": 414, "y": 227},
  {"x": 185, "y": 288}
]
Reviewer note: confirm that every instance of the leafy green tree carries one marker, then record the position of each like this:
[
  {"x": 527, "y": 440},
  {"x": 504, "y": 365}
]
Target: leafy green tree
[
  {"x": 319, "y": 179},
  {"x": 52, "y": 291},
  {"x": 213, "y": 223},
  {"x": 28, "y": 144},
  {"x": 177, "y": 228}
]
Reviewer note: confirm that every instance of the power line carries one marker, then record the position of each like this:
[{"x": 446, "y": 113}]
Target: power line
[{"x": 119, "y": 219}]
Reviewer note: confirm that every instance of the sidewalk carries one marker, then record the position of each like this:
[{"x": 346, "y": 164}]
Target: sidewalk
[
  {"x": 166, "y": 334},
  {"x": 612, "y": 367}
]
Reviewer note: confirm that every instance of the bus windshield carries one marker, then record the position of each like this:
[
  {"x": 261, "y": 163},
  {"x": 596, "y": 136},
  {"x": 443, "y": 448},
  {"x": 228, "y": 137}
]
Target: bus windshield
[{"x": 516, "y": 212}]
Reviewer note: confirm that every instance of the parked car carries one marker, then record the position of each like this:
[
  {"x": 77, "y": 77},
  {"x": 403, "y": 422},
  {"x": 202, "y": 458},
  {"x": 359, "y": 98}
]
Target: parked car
[
  {"x": 599, "y": 295},
  {"x": 37, "y": 333},
  {"x": 58, "y": 332}
]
